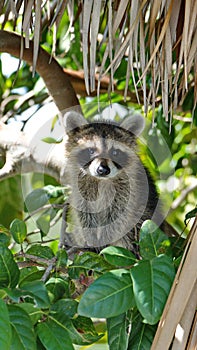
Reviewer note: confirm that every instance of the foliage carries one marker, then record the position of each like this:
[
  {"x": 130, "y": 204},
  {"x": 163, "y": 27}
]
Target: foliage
[{"x": 40, "y": 288}]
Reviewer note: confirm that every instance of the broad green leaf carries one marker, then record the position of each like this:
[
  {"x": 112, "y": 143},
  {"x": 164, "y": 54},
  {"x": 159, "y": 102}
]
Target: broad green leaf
[
  {"x": 54, "y": 336},
  {"x": 110, "y": 295},
  {"x": 5, "y": 333},
  {"x": 118, "y": 256},
  {"x": 23, "y": 336},
  {"x": 34, "y": 313},
  {"x": 16, "y": 294},
  {"x": 43, "y": 223},
  {"x": 36, "y": 199},
  {"x": 142, "y": 334},
  {"x": 87, "y": 326},
  {"x": 88, "y": 261},
  {"x": 38, "y": 291},
  {"x": 117, "y": 329},
  {"x": 57, "y": 287},
  {"x": 152, "y": 280},
  {"x": 28, "y": 274},
  {"x": 41, "y": 251},
  {"x": 78, "y": 338},
  {"x": 9, "y": 271},
  {"x": 153, "y": 241},
  {"x": 18, "y": 230},
  {"x": 68, "y": 306}
]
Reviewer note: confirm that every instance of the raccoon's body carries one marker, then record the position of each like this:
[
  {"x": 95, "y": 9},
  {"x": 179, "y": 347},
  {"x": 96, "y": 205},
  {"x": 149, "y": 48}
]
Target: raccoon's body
[{"x": 112, "y": 192}]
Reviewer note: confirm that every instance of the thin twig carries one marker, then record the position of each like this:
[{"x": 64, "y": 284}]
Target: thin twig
[{"x": 182, "y": 196}]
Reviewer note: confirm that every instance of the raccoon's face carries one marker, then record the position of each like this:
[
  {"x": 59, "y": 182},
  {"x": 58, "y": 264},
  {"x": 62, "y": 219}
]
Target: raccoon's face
[
  {"x": 101, "y": 149},
  {"x": 101, "y": 157}
]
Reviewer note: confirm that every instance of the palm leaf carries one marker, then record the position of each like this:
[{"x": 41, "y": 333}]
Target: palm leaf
[{"x": 159, "y": 38}]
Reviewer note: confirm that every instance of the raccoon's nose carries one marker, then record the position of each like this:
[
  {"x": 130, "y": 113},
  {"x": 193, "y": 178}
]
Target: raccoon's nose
[{"x": 103, "y": 169}]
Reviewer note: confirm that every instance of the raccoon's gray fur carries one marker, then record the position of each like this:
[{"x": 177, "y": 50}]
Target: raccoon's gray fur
[{"x": 112, "y": 193}]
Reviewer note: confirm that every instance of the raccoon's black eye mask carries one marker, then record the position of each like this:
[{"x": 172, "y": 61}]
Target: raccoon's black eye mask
[
  {"x": 86, "y": 155},
  {"x": 118, "y": 157}
]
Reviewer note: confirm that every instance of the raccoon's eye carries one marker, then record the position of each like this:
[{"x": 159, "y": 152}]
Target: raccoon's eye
[
  {"x": 115, "y": 152},
  {"x": 91, "y": 151}
]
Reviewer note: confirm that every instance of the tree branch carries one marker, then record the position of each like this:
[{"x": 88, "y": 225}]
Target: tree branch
[
  {"x": 56, "y": 80},
  {"x": 22, "y": 157},
  {"x": 177, "y": 202}
]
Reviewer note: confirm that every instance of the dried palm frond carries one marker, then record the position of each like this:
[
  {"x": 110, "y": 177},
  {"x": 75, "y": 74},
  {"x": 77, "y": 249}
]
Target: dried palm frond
[{"x": 157, "y": 38}]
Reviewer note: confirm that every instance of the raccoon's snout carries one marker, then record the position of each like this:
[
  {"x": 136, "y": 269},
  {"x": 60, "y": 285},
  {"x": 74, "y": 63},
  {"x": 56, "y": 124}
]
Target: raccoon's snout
[{"x": 103, "y": 169}]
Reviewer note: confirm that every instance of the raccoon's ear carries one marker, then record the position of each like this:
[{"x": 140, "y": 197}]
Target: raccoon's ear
[
  {"x": 134, "y": 123},
  {"x": 73, "y": 120}
]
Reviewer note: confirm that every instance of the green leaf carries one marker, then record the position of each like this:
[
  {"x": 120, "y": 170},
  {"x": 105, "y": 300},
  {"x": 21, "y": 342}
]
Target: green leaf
[
  {"x": 54, "y": 121},
  {"x": 18, "y": 230},
  {"x": 36, "y": 199},
  {"x": 57, "y": 287},
  {"x": 9, "y": 271},
  {"x": 41, "y": 251},
  {"x": 28, "y": 274},
  {"x": 85, "y": 262},
  {"x": 54, "y": 336},
  {"x": 118, "y": 256},
  {"x": 54, "y": 191},
  {"x": 51, "y": 140},
  {"x": 62, "y": 258},
  {"x": 38, "y": 291},
  {"x": 23, "y": 337},
  {"x": 142, "y": 334},
  {"x": 4, "y": 235},
  {"x": 153, "y": 241},
  {"x": 39, "y": 197},
  {"x": 110, "y": 295},
  {"x": 5, "y": 333},
  {"x": 43, "y": 223},
  {"x": 68, "y": 306},
  {"x": 79, "y": 338},
  {"x": 34, "y": 313},
  {"x": 152, "y": 280},
  {"x": 86, "y": 327},
  {"x": 117, "y": 328}
]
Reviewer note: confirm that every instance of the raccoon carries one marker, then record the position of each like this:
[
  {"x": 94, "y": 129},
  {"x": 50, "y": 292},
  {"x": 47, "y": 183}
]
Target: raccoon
[{"x": 112, "y": 192}]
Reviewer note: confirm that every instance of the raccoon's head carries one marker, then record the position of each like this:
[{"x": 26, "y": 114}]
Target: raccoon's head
[{"x": 101, "y": 149}]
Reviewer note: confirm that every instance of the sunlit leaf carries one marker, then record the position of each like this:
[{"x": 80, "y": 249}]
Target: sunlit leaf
[
  {"x": 118, "y": 256},
  {"x": 153, "y": 241},
  {"x": 152, "y": 280},
  {"x": 18, "y": 230}
]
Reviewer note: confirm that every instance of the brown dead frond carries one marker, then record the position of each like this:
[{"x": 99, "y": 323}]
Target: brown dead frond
[{"x": 158, "y": 38}]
